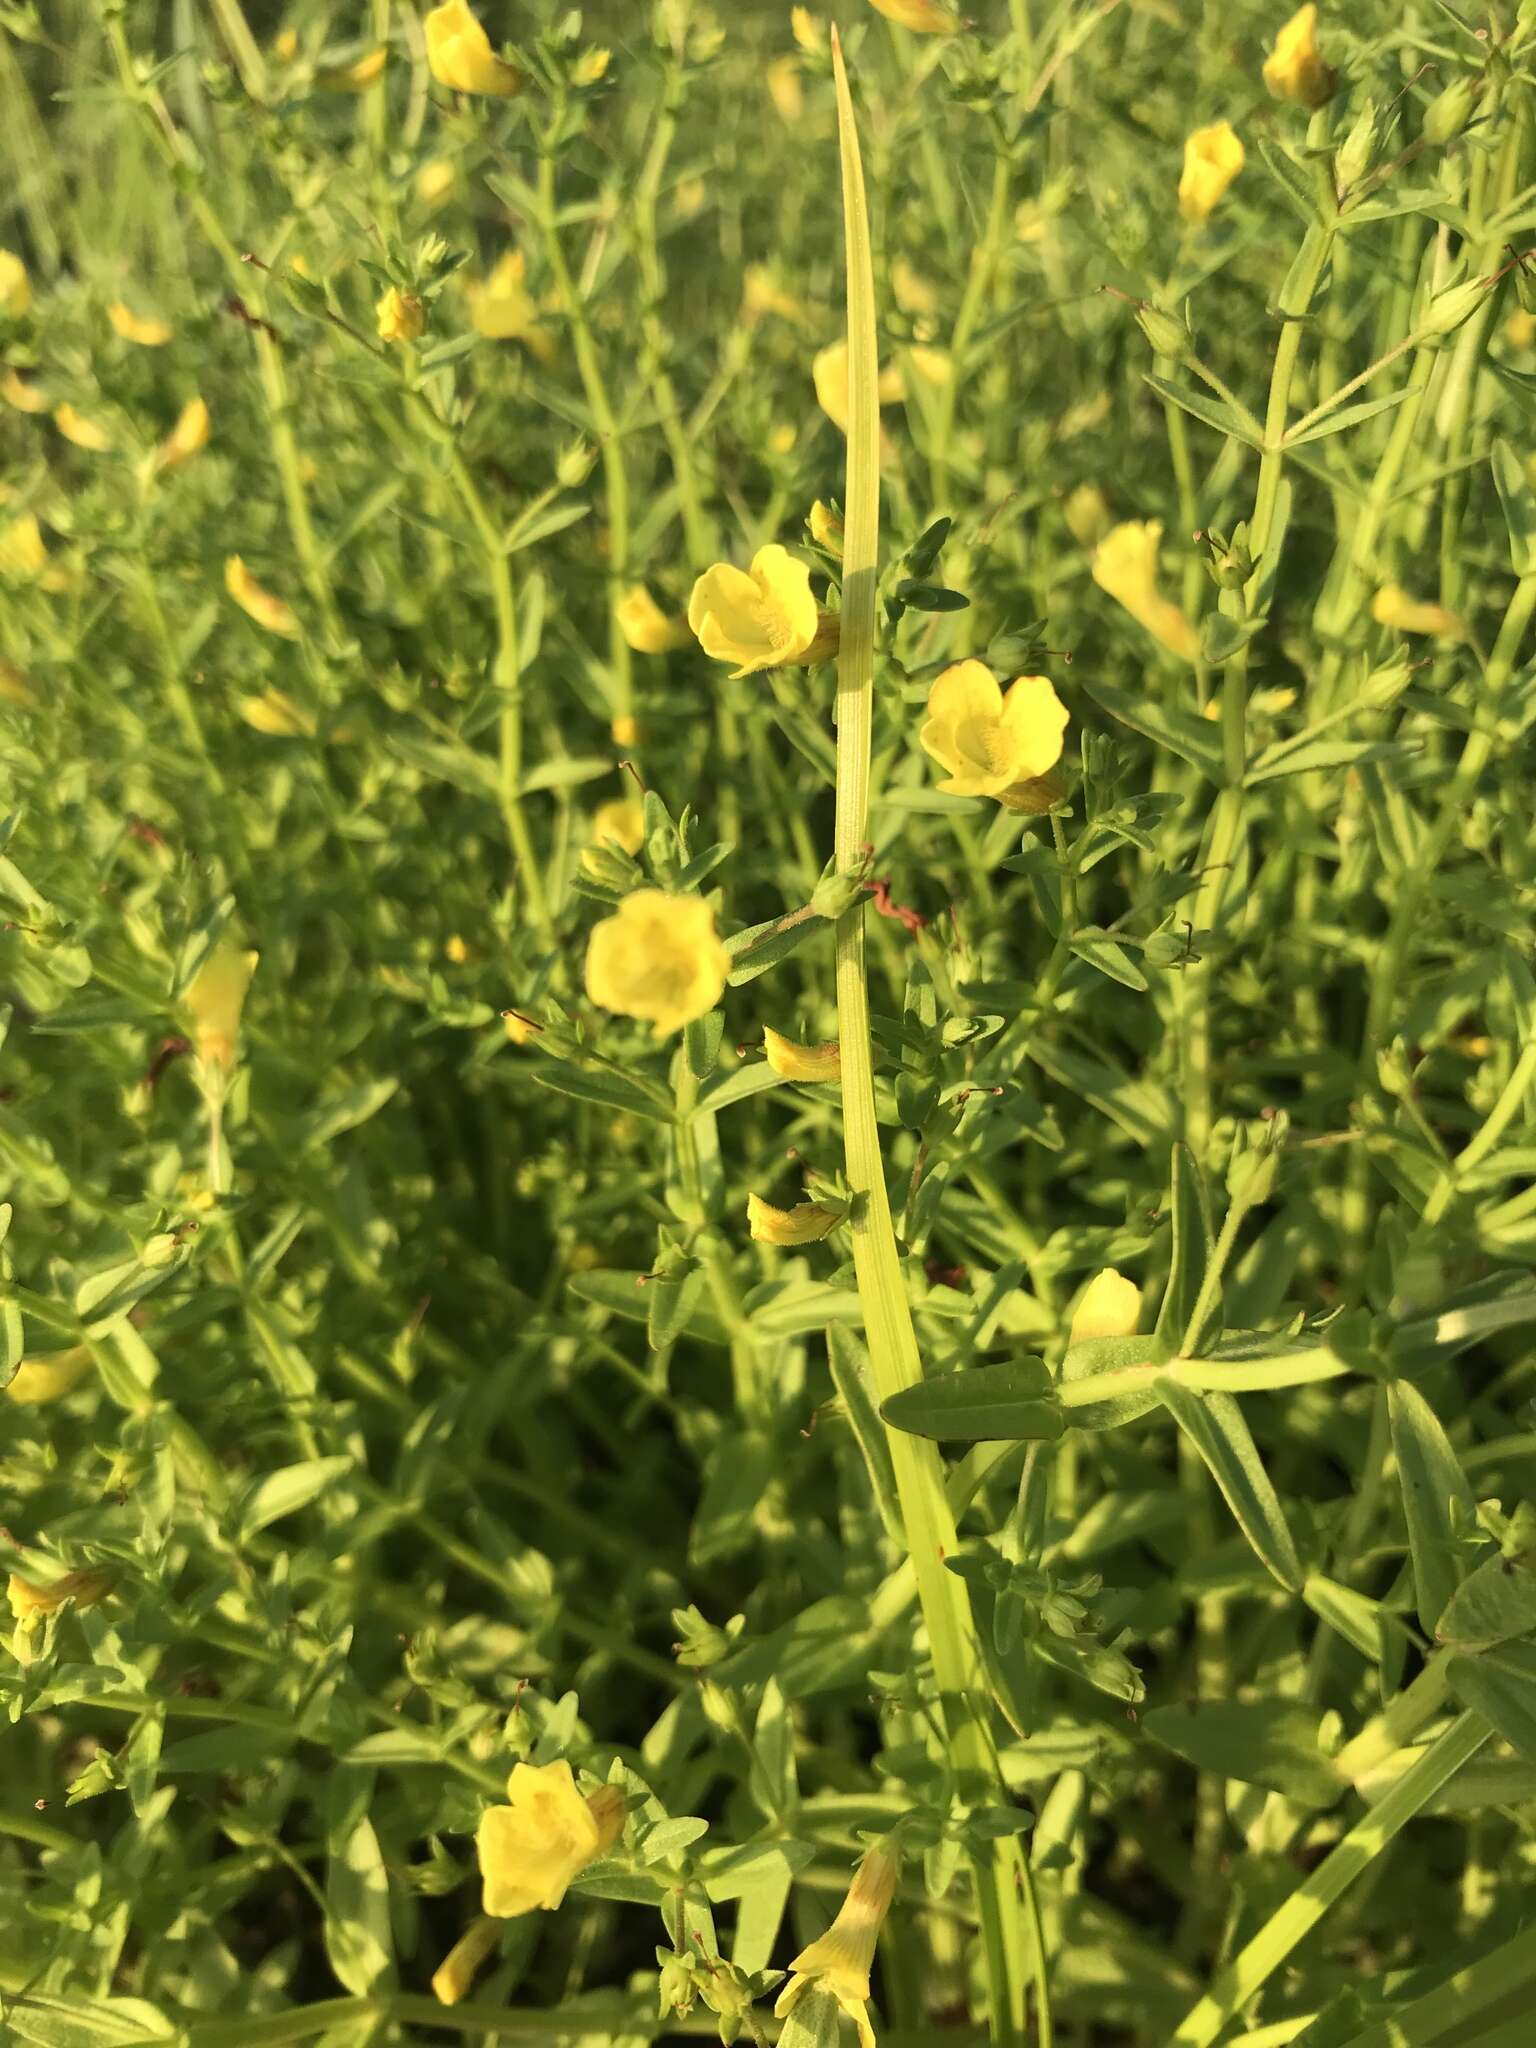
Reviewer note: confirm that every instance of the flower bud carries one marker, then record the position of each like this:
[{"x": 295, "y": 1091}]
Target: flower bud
[
  {"x": 826, "y": 528},
  {"x": 1448, "y": 114},
  {"x": 1167, "y": 333},
  {"x": 1357, "y": 152},
  {"x": 1448, "y": 309},
  {"x": 794, "y": 1062}
]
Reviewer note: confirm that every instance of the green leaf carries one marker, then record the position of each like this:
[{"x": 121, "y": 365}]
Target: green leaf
[
  {"x": 1314, "y": 756},
  {"x": 1431, "y": 1479},
  {"x": 669, "y": 1838},
  {"x": 762, "y": 946},
  {"x": 40, "y": 2018},
  {"x": 1215, "y": 1426},
  {"x": 980, "y": 1404},
  {"x": 345, "y": 1111},
  {"x": 599, "y": 1085},
  {"x": 287, "y": 1490},
  {"x": 1192, "y": 739},
  {"x": 1492, "y": 1604},
  {"x": 1215, "y": 412},
  {"x": 1347, "y": 416},
  {"x": 358, "y": 1935},
  {"x": 1100, "y": 951},
  {"x": 623, "y": 1293},
  {"x": 1291, "y": 179},
  {"x": 1501, "y": 1687},
  {"x": 1519, "y": 503},
  {"x": 849, "y": 1363},
  {"x": 1273, "y": 1743},
  {"x": 1190, "y": 1251}
]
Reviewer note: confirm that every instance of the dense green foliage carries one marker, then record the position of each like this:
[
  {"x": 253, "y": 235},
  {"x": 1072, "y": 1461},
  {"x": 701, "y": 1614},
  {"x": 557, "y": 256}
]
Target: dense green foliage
[{"x": 419, "y": 1402}]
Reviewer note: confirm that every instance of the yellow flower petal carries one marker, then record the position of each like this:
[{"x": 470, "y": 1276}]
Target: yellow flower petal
[
  {"x": 187, "y": 438},
  {"x": 16, "y": 391},
  {"x": 622, "y": 821},
  {"x": 1392, "y": 606},
  {"x": 37, "y": 1380},
  {"x": 546, "y": 1835},
  {"x": 400, "y": 316},
  {"x": 1294, "y": 69},
  {"x": 923, "y": 17},
  {"x": 763, "y": 620},
  {"x": 792, "y": 1061},
  {"x": 15, "y": 287},
  {"x": 658, "y": 957},
  {"x": 645, "y": 626},
  {"x": 459, "y": 54},
  {"x": 502, "y": 310},
  {"x": 23, "y": 551},
  {"x": 31, "y": 1601},
  {"x": 275, "y": 713},
  {"x": 1213, "y": 157},
  {"x": 215, "y": 1000},
  {"x": 268, "y": 611},
  {"x": 806, "y": 1223},
  {"x": 355, "y": 77},
  {"x": 85, "y": 433},
  {"x": 1125, "y": 565},
  {"x": 1108, "y": 1307},
  {"x": 992, "y": 744},
  {"x": 137, "y": 328}
]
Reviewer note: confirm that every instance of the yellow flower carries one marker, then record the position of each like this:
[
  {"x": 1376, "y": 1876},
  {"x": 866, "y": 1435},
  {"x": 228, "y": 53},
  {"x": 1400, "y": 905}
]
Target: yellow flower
[
  {"x": 459, "y": 54},
  {"x": 359, "y": 76},
  {"x": 839, "y": 1962},
  {"x": 993, "y": 744},
  {"x": 765, "y": 619},
  {"x": 782, "y": 79},
  {"x": 931, "y": 363},
  {"x": 275, "y": 713},
  {"x": 214, "y": 999},
  {"x": 1125, "y": 565},
  {"x": 658, "y": 957},
  {"x": 759, "y": 295},
  {"x": 923, "y": 17},
  {"x": 435, "y": 180},
  {"x": 518, "y": 1029},
  {"x": 23, "y": 551},
  {"x": 268, "y": 611},
  {"x": 807, "y": 31},
  {"x": 502, "y": 310},
  {"x": 1108, "y": 1307},
  {"x": 625, "y": 730},
  {"x": 187, "y": 438},
  {"x": 285, "y": 46},
  {"x": 806, "y": 1223},
  {"x": 794, "y": 1062},
  {"x": 826, "y": 528},
  {"x": 622, "y": 821},
  {"x": 30, "y": 1601},
  {"x": 131, "y": 326},
  {"x": 85, "y": 433},
  {"x": 15, "y": 287},
  {"x": 911, "y": 291},
  {"x": 829, "y": 373},
  {"x": 546, "y": 1835},
  {"x": 401, "y": 316},
  {"x": 1087, "y": 515},
  {"x": 15, "y": 390},
  {"x": 591, "y": 66},
  {"x": 38, "y": 1380},
  {"x": 1294, "y": 69},
  {"x": 1392, "y": 606},
  {"x": 1212, "y": 159},
  {"x": 645, "y": 626}
]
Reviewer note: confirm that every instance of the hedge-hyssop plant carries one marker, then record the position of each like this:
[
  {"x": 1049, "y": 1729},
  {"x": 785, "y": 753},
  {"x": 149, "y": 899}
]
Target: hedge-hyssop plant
[{"x": 769, "y": 1108}]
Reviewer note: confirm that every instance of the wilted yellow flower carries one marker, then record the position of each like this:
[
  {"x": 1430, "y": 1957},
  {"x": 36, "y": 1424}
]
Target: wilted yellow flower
[
  {"x": 275, "y": 713},
  {"x": 187, "y": 438},
  {"x": 1212, "y": 159},
  {"x": 839, "y": 1962},
  {"x": 782, "y": 79},
  {"x": 502, "y": 310},
  {"x": 30, "y": 1601},
  {"x": 1108, "y": 1307},
  {"x": 135, "y": 327},
  {"x": 268, "y": 611},
  {"x": 459, "y": 54},
  {"x": 658, "y": 957},
  {"x": 994, "y": 744},
  {"x": 435, "y": 180},
  {"x": 622, "y": 821},
  {"x": 792, "y": 1061},
  {"x": 359, "y": 76},
  {"x": 1294, "y": 69},
  {"x": 645, "y": 626},
  {"x": 401, "y": 316},
  {"x": 85, "y": 433},
  {"x": 15, "y": 287},
  {"x": 37, "y": 1380},
  {"x": 765, "y": 619},
  {"x": 23, "y": 551},
  {"x": 826, "y": 528},
  {"x": 829, "y": 373},
  {"x": 923, "y": 17},
  {"x": 546, "y": 1835},
  {"x": 1086, "y": 512},
  {"x": 807, "y": 31},
  {"x": 15, "y": 390},
  {"x": 1392, "y": 606},
  {"x": 1125, "y": 565},
  {"x": 214, "y": 999},
  {"x": 806, "y": 1223}
]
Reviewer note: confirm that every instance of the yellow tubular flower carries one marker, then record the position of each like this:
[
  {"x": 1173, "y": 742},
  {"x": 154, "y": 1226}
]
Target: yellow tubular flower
[
  {"x": 23, "y": 551},
  {"x": 502, "y": 310},
  {"x": 275, "y": 713},
  {"x": 622, "y": 821},
  {"x": 355, "y": 77},
  {"x": 923, "y": 17},
  {"x": 645, "y": 626},
  {"x": 992, "y": 744},
  {"x": 1294, "y": 69},
  {"x": 131, "y": 326},
  {"x": 400, "y": 315},
  {"x": 658, "y": 957},
  {"x": 839, "y": 1962},
  {"x": 792, "y": 1061},
  {"x": 457, "y": 1971},
  {"x": 15, "y": 287},
  {"x": 187, "y": 438},
  {"x": 1392, "y": 606},
  {"x": 1125, "y": 565},
  {"x": 1212, "y": 159},
  {"x": 215, "y": 998},
  {"x": 37, "y": 1380},
  {"x": 807, "y": 31},
  {"x": 85, "y": 433},
  {"x": 30, "y": 1602},
  {"x": 546, "y": 1834},
  {"x": 1108, "y": 1307},
  {"x": 806, "y": 1223},
  {"x": 459, "y": 54},
  {"x": 16, "y": 391},
  {"x": 763, "y": 619},
  {"x": 268, "y": 611}
]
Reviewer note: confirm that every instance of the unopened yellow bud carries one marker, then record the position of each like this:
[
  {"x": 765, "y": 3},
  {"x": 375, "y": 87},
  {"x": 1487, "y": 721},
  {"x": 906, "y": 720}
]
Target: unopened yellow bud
[
  {"x": 826, "y": 528},
  {"x": 30, "y": 1602},
  {"x": 591, "y": 66},
  {"x": 1108, "y": 1307},
  {"x": 459, "y": 54},
  {"x": 1087, "y": 514},
  {"x": 782, "y": 79},
  {"x": 1213, "y": 157},
  {"x": 645, "y": 626},
  {"x": 792, "y": 1061},
  {"x": 457, "y": 1971},
  {"x": 214, "y": 1000},
  {"x": 400, "y": 315},
  {"x": 435, "y": 180},
  {"x": 355, "y": 77},
  {"x": 625, "y": 730},
  {"x": 1294, "y": 69},
  {"x": 269, "y": 611}
]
